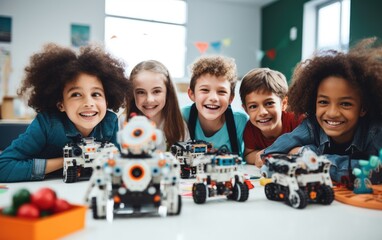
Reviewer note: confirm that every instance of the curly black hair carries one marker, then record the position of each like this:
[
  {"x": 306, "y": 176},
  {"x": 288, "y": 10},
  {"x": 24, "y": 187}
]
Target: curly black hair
[
  {"x": 51, "y": 69},
  {"x": 361, "y": 67}
]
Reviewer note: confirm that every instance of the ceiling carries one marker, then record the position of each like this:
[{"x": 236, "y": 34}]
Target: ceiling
[{"x": 254, "y": 2}]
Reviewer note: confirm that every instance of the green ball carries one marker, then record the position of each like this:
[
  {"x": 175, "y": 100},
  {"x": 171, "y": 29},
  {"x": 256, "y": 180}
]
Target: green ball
[
  {"x": 20, "y": 197},
  {"x": 10, "y": 211}
]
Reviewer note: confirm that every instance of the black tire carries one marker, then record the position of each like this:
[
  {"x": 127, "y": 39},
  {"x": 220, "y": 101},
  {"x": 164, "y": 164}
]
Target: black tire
[
  {"x": 77, "y": 151},
  {"x": 244, "y": 192},
  {"x": 71, "y": 175},
  {"x": 240, "y": 192},
  {"x": 179, "y": 205},
  {"x": 199, "y": 193},
  {"x": 298, "y": 199},
  {"x": 272, "y": 192},
  {"x": 174, "y": 150},
  {"x": 326, "y": 195}
]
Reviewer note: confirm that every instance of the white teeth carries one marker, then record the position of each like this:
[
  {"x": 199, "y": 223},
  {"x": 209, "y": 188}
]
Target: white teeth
[
  {"x": 211, "y": 106},
  {"x": 88, "y": 114},
  {"x": 149, "y": 107},
  {"x": 333, "y": 123},
  {"x": 264, "y": 120}
]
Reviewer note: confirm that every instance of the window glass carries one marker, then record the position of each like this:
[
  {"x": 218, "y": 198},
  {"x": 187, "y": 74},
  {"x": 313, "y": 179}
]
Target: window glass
[
  {"x": 333, "y": 23},
  {"x": 143, "y": 33}
]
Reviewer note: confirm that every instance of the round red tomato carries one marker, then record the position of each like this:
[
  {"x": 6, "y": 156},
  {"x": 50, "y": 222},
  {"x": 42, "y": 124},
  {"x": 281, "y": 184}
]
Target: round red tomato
[
  {"x": 28, "y": 210},
  {"x": 61, "y": 205},
  {"x": 44, "y": 198}
]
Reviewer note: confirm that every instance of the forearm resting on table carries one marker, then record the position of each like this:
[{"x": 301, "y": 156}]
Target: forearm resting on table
[
  {"x": 53, "y": 164},
  {"x": 294, "y": 150},
  {"x": 253, "y": 157}
]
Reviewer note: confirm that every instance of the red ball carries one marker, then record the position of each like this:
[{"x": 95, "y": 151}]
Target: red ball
[
  {"x": 28, "y": 210},
  {"x": 61, "y": 205},
  {"x": 44, "y": 198}
]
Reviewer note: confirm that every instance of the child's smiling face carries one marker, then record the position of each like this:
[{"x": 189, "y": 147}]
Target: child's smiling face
[
  {"x": 150, "y": 94},
  {"x": 212, "y": 95},
  {"x": 338, "y": 108},
  {"x": 84, "y": 102},
  {"x": 265, "y": 111}
]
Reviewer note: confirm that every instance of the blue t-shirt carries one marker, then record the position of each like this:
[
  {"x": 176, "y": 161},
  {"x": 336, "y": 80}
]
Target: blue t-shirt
[
  {"x": 221, "y": 137},
  {"x": 25, "y": 158}
]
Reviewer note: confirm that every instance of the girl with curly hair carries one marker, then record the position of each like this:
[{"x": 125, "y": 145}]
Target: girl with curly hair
[
  {"x": 71, "y": 93},
  {"x": 341, "y": 95},
  {"x": 154, "y": 96}
]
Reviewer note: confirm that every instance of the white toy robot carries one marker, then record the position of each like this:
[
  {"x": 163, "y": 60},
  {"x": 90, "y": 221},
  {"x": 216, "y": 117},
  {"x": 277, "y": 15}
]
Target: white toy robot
[{"x": 138, "y": 180}]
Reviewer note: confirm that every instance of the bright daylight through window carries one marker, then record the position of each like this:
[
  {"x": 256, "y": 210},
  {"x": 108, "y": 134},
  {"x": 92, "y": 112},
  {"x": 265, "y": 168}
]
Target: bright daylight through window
[
  {"x": 333, "y": 23},
  {"x": 138, "y": 30}
]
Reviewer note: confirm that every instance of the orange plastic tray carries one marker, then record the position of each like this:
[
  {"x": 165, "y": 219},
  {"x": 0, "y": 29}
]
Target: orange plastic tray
[
  {"x": 372, "y": 201},
  {"x": 51, "y": 227}
]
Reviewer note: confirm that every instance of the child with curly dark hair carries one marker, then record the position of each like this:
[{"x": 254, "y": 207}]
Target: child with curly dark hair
[
  {"x": 212, "y": 89},
  {"x": 71, "y": 93},
  {"x": 341, "y": 95}
]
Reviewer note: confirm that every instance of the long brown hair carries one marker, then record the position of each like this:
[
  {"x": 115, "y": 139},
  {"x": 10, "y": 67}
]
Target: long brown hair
[{"x": 174, "y": 129}]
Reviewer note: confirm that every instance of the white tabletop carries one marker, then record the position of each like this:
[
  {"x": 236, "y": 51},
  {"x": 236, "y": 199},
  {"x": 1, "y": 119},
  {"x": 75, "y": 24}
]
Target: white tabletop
[{"x": 219, "y": 218}]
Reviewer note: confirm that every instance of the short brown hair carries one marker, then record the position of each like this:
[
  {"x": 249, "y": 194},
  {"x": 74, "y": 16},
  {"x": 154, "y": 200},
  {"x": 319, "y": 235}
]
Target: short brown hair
[{"x": 264, "y": 80}]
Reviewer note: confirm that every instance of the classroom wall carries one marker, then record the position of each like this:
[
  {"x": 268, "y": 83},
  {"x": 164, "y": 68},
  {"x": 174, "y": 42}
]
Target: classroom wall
[
  {"x": 365, "y": 19},
  {"x": 39, "y": 21},
  {"x": 278, "y": 17},
  {"x": 216, "y": 20},
  {"x": 277, "y": 20}
]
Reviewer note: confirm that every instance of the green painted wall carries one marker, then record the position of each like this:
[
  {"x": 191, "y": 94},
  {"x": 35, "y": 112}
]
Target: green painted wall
[
  {"x": 365, "y": 19},
  {"x": 279, "y": 17},
  {"x": 277, "y": 20}
]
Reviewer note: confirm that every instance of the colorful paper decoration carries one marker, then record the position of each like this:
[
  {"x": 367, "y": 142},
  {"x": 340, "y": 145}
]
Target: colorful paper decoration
[
  {"x": 227, "y": 42},
  {"x": 216, "y": 46},
  {"x": 271, "y": 53},
  {"x": 202, "y": 46}
]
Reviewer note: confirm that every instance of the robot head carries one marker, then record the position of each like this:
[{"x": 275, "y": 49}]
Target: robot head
[
  {"x": 139, "y": 136},
  {"x": 310, "y": 159}
]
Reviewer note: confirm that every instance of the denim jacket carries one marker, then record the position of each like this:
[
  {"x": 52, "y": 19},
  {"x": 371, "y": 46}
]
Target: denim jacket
[
  {"x": 26, "y": 157},
  {"x": 367, "y": 141}
]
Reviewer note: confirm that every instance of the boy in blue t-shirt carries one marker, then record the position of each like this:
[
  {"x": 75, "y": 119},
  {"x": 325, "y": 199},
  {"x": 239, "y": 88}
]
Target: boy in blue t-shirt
[{"x": 211, "y": 118}]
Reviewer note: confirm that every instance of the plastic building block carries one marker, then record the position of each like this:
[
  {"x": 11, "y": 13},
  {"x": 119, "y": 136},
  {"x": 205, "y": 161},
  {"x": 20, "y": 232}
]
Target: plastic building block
[
  {"x": 362, "y": 183},
  {"x": 299, "y": 179},
  {"x": 79, "y": 157},
  {"x": 219, "y": 174},
  {"x": 139, "y": 180},
  {"x": 186, "y": 152}
]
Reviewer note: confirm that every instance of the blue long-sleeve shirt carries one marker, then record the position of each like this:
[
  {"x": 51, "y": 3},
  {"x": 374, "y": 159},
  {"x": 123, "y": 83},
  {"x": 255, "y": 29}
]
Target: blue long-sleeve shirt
[
  {"x": 25, "y": 159},
  {"x": 367, "y": 141}
]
